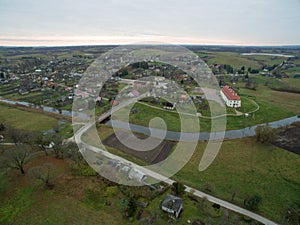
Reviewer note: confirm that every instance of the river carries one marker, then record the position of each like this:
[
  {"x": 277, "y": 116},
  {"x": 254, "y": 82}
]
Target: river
[
  {"x": 201, "y": 136},
  {"x": 268, "y": 54},
  {"x": 170, "y": 135}
]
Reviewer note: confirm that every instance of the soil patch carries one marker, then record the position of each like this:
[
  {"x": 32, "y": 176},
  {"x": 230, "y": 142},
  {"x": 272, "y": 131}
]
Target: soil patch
[
  {"x": 289, "y": 140},
  {"x": 158, "y": 154}
]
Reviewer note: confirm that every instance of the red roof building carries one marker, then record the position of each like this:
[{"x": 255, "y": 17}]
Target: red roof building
[{"x": 230, "y": 97}]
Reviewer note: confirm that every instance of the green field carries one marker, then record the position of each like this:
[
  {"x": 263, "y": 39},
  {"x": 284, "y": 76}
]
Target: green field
[
  {"x": 249, "y": 168},
  {"x": 287, "y": 103},
  {"x": 267, "y": 113},
  {"x": 237, "y": 60},
  {"x": 32, "y": 121},
  {"x": 230, "y": 58},
  {"x": 21, "y": 119}
]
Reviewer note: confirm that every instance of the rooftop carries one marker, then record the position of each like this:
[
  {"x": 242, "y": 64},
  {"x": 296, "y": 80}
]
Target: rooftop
[
  {"x": 230, "y": 93},
  {"x": 172, "y": 202}
]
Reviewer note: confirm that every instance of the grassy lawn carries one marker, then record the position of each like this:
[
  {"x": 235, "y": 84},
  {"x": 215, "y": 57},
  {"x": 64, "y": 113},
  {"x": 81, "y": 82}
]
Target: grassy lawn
[
  {"x": 26, "y": 120},
  {"x": 248, "y": 105},
  {"x": 266, "y": 113},
  {"x": 248, "y": 168},
  {"x": 287, "y": 103}
]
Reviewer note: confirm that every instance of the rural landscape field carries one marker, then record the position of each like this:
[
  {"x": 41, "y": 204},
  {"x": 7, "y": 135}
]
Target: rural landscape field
[
  {"x": 45, "y": 179},
  {"x": 149, "y": 112}
]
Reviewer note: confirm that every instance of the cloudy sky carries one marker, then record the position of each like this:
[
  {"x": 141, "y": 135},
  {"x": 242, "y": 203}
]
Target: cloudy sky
[{"x": 75, "y": 22}]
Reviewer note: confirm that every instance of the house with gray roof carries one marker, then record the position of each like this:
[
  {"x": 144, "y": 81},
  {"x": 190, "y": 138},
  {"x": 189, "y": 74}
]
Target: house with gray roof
[{"x": 173, "y": 205}]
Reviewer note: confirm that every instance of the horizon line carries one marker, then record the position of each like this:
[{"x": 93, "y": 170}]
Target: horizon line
[
  {"x": 105, "y": 40},
  {"x": 124, "y": 44}
]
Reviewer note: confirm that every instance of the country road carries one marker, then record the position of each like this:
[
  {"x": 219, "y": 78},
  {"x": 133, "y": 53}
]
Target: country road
[{"x": 162, "y": 178}]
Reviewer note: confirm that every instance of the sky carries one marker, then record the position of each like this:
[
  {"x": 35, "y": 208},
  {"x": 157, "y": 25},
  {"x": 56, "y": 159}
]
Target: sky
[{"x": 87, "y": 22}]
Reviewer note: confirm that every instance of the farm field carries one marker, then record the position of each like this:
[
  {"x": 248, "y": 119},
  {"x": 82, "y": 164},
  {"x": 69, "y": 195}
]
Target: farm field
[{"x": 154, "y": 156}]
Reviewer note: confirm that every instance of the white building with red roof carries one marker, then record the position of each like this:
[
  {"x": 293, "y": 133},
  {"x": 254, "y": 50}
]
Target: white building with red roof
[{"x": 230, "y": 97}]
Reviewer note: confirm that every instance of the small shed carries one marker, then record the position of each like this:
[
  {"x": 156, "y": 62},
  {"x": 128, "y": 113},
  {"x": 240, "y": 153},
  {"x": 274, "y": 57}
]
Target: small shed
[{"x": 172, "y": 205}]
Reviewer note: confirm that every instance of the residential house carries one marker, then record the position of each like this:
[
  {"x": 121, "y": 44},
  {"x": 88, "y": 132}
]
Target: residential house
[{"x": 173, "y": 205}]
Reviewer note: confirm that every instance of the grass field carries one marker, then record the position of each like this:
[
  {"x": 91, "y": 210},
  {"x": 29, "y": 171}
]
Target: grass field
[
  {"x": 231, "y": 58},
  {"x": 33, "y": 121},
  {"x": 287, "y": 103},
  {"x": 248, "y": 168},
  {"x": 268, "y": 112},
  {"x": 90, "y": 200},
  {"x": 294, "y": 82},
  {"x": 237, "y": 60},
  {"x": 25, "y": 120}
]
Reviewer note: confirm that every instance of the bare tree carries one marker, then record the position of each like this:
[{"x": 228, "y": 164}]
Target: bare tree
[
  {"x": 42, "y": 142},
  {"x": 17, "y": 157},
  {"x": 43, "y": 173},
  {"x": 58, "y": 147},
  {"x": 72, "y": 152},
  {"x": 14, "y": 135},
  {"x": 20, "y": 136}
]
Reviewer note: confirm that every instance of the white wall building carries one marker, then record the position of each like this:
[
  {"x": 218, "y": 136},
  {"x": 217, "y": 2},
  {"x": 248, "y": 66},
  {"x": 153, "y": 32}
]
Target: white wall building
[{"x": 230, "y": 97}]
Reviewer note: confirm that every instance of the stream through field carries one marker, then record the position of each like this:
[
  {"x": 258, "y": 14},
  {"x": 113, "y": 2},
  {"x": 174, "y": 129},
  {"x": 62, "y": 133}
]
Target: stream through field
[
  {"x": 170, "y": 135},
  {"x": 201, "y": 136}
]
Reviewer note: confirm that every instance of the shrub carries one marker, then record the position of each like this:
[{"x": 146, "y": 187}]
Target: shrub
[
  {"x": 253, "y": 202},
  {"x": 264, "y": 133},
  {"x": 111, "y": 191},
  {"x": 2, "y": 127},
  {"x": 82, "y": 170}
]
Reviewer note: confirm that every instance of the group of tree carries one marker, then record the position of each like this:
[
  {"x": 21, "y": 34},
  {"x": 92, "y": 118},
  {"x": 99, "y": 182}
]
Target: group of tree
[
  {"x": 19, "y": 154},
  {"x": 140, "y": 65},
  {"x": 178, "y": 188},
  {"x": 25, "y": 145},
  {"x": 265, "y": 133}
]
